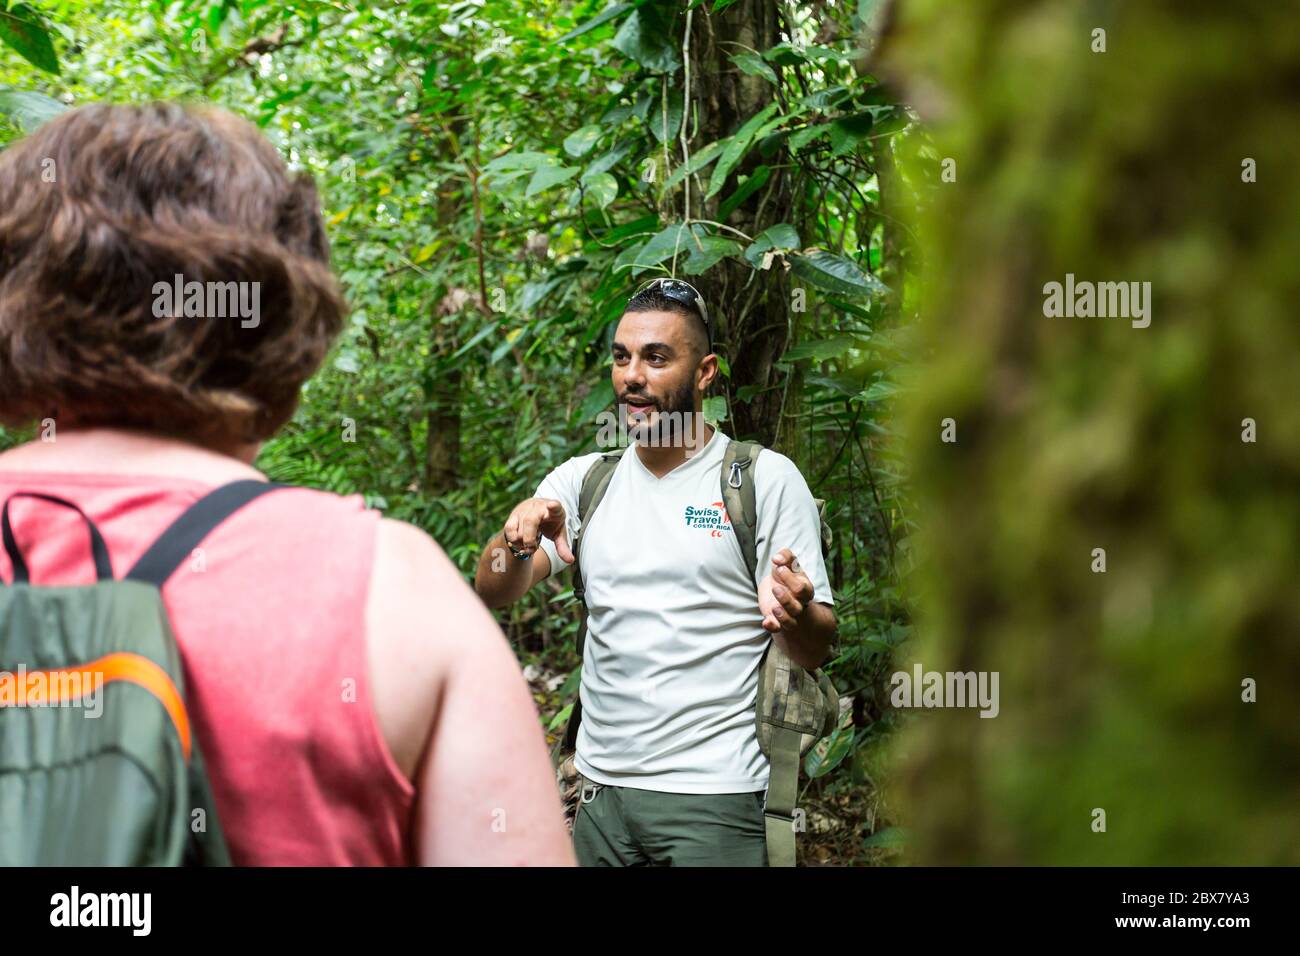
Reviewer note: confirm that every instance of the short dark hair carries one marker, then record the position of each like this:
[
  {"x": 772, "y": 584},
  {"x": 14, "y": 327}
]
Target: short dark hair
[
  {"x": 139, "y": 195},
  {"x": 654, "y": 300}
]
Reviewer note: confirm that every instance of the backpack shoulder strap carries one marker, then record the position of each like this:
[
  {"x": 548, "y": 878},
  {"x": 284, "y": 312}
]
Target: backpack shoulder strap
[
  {"x": 196, "y": 523},
  {"x": 596, "y": 480},
  {"x": 739, "y": 497},
  {"x": 594, "y": 485}
]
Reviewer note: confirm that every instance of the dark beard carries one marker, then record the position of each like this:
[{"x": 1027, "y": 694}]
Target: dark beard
[{"x": 675, "y": 420}]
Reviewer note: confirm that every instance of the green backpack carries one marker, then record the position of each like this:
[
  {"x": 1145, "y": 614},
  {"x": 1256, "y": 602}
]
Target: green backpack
[
  {"x": 98, "y": 761},
  {"x": 795, "y": 707}
]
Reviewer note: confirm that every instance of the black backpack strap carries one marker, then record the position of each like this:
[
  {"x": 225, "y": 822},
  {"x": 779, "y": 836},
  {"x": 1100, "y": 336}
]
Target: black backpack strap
[
  {"x": 179, "y": 541},
  {"x": 99, "y": 550}
]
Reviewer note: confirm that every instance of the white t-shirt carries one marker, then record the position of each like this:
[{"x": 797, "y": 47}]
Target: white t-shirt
[{"x": 675, "y": 635}]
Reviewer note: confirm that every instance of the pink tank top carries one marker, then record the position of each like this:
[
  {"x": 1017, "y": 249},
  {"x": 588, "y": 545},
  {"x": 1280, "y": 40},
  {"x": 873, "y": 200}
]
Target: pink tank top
[{"x": 270, "y": 619}]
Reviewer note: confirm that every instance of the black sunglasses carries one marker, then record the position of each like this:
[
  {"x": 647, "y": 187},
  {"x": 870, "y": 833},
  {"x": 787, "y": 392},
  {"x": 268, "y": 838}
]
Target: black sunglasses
[{"x": 685, "y": 293}]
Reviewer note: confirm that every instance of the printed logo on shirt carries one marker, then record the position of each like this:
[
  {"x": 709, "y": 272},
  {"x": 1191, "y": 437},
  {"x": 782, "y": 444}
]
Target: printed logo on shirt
[{"x": 712, "y": 518}]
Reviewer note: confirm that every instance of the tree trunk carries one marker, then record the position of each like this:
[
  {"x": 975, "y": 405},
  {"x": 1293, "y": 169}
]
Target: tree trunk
[{"x": 752, "y": 309}]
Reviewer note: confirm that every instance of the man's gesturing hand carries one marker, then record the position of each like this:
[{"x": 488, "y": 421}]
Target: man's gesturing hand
[
  {"x": 536, "y": 517},
  {"x": 784, "y": 594}
]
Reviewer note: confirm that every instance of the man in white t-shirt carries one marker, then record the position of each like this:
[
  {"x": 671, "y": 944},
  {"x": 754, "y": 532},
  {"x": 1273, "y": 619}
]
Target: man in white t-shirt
[{"x": 676, "y": 628}]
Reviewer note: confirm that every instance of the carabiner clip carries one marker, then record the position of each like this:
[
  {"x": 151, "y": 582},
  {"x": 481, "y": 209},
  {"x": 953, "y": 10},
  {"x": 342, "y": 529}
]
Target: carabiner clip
[{"x": 734, "y": 478}]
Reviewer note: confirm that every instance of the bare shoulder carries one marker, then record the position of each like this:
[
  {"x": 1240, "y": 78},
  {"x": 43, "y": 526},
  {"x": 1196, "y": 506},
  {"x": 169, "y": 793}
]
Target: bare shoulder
[
  {"x": 457, "y": 714},
  {"x": 417, "y": 600}
]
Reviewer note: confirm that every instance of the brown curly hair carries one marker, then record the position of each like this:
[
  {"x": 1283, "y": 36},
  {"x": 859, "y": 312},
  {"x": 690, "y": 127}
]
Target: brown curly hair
[{"x": 100, "y": 205}]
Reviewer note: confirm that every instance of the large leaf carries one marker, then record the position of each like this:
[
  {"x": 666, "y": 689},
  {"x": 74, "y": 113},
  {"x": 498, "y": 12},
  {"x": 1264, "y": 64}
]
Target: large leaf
[
  {"x": 665, "y": 122},
  {"x": 753, "y": 64},
  {"x": 523, "y": 159},
  {"x": 714, "y": 410},
  {"x": 646, "y": 37},
  {"x": 29, "y": 110},
  {"x": 603, "y": 188},
  {"x": 736, "y": 148},
  {"x": 715, "y": 248},
  {"x": 821, "y": 350},
  {"x": 754, "y": 181},
  {"x": 579, "y": 143},
  {"x": 828, "y": 752},
  {"x": 611, "y": 159},
  {"x": 598, "y": 399},
  {"x": 802, "y": 137},
  {"x": 609, "y": 13},
  {"x": 697, "y": 162},
  {"x": 21, "y": 29},
  {"x": 836, "y": 274},
  {"x": 674, "y": 240},
  {"x": 780, "y": 237},
  {"x": 548, "y": 176}
]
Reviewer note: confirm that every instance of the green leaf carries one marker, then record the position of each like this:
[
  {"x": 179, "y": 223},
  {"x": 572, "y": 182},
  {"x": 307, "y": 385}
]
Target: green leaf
[
  {"x": 579, "y": 143},
  {"x": 847, "y": 133},
  {"x": 603, "y": 188},
  {"x": 548, "y": 176},
  {"x": 785, "y": 54},
  {"x": 611, "y": 159},
  {"x": 888, "y": 838},
  {"x": 715, "y": 410},
  {"x": 736, "y": 148},
  {"x": 21, "y": 28},
  {"x": 524, "y": 159},
  {"x": 753, "y": 64},
  {"x": 28, "y": 109},
  {"x": 628, "y": 258},
  {"x": 724, "y": 366},
  {"x": 822, "y": 350},
  {"x": 574, "y": 680},
  {"x": 476, "y": 339},
  {"x": 558, "y": 720},
  {"x": 597, "y": 400},
  {"x": 646, "y": 37},
  {"x": 644, "y": 225},
  {"x": 675, "y": 239},
  {"x": 780, "y": 237},
  {"x": 801, "y": 138},
  {"x": 609, "y": 13},
  {"x": 828, "y": 752},
  {"x": 836, "y": 274},
  {"x": 715, "y": 249},
  {"x": 752, "y": 182},
  {"x": 615, "y": 115},
  {"x": 879, "y": 392},
  {"x": 665, "y": 123},
  {"x": 697, "y": 162}
]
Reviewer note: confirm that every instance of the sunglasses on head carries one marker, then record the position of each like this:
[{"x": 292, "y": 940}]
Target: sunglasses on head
[{"x": 685, "y": 293}]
